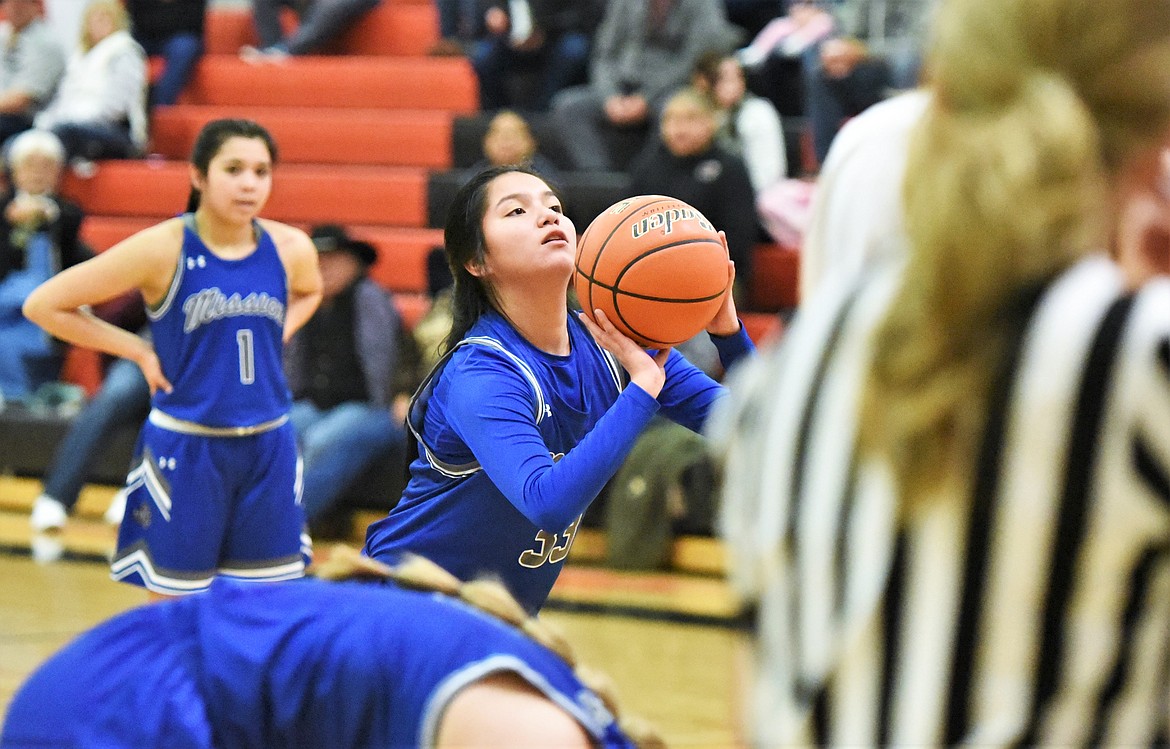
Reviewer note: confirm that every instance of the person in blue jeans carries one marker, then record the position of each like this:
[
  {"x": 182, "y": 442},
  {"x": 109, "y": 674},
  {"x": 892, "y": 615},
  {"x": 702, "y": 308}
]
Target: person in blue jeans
[
  {"x": 348, "y": 373},
  {"x": 320, "y": 22},
  {"x": 123, "y": 400},
  {"x": 460, "y": 22},
  {"x": 174, "y": 31},
  {"x": 875, "y": 51},
  {"x": 552, "y": 39}
]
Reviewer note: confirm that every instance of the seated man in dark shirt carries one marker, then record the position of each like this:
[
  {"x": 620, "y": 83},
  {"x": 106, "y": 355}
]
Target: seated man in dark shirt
[
  {"x": 349, "y": 372},
  {"x": 685, "y": 162}
]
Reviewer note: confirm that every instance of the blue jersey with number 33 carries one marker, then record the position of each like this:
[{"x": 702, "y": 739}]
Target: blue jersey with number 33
[
  {"x": 218, "y": 335},
  {"x": 520, "y": 442}
]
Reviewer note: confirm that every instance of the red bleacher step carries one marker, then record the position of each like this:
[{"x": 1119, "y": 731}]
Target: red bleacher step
[
  {"x": 391, "y": 28},
  {"x": 394, "y": 196},
  {"x": 402, "y": 252},
  {"x": 775, "y": 281},
  {"x": 762, "y": 327},
  {"x": 321, "y": 136},
  {"x": 442, "y": 83}
]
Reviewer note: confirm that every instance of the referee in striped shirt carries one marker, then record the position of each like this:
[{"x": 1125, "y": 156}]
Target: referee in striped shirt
[{"x": 948, "y": 490}]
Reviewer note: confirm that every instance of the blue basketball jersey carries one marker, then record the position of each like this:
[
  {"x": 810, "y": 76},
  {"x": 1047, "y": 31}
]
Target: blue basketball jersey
[
  {"x": 458, "y": 516},
  {"x": 297, "y": 664},
  {"x": 219, "y": 335},
  {"x": 514, "y": 445}
]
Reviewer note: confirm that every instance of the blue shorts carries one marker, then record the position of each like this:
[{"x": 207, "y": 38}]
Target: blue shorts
[{"x": 199, "y": 506}]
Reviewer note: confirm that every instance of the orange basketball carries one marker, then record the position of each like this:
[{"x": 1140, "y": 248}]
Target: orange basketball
[{"x": 655, "y": 266}]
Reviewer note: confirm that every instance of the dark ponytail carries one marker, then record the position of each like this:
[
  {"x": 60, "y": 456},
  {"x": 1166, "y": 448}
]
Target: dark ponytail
[{"x": 464, "y": 243}]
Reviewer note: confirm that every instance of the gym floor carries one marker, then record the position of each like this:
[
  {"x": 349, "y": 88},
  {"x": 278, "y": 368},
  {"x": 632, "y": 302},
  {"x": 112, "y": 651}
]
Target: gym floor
[{"x": 667, "y": 641}]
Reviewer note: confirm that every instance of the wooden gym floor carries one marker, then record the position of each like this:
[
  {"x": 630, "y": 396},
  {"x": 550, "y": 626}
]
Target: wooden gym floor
[{"x": 667, "y": 640}]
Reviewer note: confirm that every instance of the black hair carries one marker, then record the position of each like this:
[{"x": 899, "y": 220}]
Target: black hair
[
  {"x": 211, "y": 139},
  {"x": 464, "y": 242}
]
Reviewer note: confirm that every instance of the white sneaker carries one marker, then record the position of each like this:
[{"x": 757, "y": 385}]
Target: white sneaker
[
  {"x": 254, "y": 56},
  {"x": 83, "y": 168},
  {"x": 47, "y": 514},
  {"x": 46, "y": 549},
  {"x": 117, "y": 508}
]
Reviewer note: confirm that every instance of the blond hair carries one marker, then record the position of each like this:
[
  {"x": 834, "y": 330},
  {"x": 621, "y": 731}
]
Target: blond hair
[
  {"x": 1037, "y": 107},
  {"x": 691, "y": 95},
  {"x": 117, "y": 13}
]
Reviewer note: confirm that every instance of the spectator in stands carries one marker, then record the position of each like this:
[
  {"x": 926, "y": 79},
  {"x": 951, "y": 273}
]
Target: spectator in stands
[
  {"x": 30, "y": 68},
  {"x": 548, "y": 38},
  {"x": 774, "y": 57},
  {"x": 122, "y": 401},
  {"x": 459, "y": 23},
  {"x": 753, "y": 15},
  {"x": 685, "y": 162},
  {"x": 38, "y": 237},
  {"x": 643, "y": 51},
  {"x": 350, "y": 371},
  {"x": 172, "y": 29},
  {"x": 434, "y": 326},
  {"x": 321, "y": 21},
  {"x": 748, "y": 124},
  {"x": 876, "y": 50},
  {"x": 99, "y": 110},
  {"x": 509, "y": 142}
]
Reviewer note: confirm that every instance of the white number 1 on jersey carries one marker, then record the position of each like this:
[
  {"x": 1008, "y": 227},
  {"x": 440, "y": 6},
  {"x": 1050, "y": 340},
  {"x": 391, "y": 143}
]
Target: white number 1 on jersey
[{"x": 247, "y": 356}]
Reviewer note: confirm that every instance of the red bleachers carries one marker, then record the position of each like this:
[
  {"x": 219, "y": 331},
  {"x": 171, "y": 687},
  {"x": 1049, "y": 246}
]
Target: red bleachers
[
  {"x": 402, "y": 251},
  {"x": 441, "y": 83},
  {"x": 775, "y": 277},
  {"x": 762, "y": 327},
  {"x": 393, "y": 196},
  {"x": 394, "y": 28},
  {"x": 322, "y": 136},
  {"x": 358, "y": 133}
]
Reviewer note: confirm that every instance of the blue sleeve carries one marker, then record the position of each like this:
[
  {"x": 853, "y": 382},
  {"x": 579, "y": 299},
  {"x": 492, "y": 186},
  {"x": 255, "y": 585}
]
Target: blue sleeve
[
  {"x": 733, "y": 347},
  {"x": 688, "y": 394},
  {"x": 491, "y": 408}
]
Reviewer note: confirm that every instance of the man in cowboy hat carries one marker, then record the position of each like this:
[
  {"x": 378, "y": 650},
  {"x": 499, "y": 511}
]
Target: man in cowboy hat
[{"x": 346, "y": 367}]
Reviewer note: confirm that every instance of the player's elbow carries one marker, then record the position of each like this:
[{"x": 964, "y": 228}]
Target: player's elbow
[
  {"x": 550, "y": 519},
  {"x": 36, "y": 308}
]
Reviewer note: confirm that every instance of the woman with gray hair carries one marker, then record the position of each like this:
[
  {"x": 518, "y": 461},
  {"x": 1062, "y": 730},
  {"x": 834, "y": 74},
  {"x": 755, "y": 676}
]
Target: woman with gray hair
[{"x": 38, "y": 237}]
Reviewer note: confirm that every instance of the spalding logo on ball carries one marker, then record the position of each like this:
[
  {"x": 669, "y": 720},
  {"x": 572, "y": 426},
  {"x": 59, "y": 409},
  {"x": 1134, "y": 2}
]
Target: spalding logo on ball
[{"x": 655, "y": 266}]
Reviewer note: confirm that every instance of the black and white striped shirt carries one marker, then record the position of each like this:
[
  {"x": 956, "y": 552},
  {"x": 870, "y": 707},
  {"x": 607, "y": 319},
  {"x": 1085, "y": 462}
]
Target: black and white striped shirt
[{"x": 1034, "y": 611}]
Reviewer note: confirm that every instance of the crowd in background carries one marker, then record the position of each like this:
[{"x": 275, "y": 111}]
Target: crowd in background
[
  {"x": 699, "y": 99},
  {"x": 945, "y": 495}
]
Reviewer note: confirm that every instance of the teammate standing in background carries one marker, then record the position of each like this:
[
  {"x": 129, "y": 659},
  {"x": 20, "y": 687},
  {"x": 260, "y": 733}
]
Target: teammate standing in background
[
  {"x": 949, "y": 489},
  {"x": 216, "y": 483},
  {"x": 531, "y": 415}
]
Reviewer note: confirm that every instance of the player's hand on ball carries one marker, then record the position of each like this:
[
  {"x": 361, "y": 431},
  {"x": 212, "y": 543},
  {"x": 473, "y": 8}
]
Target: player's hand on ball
[
  {"x": 646, "y": 371},
  {"x": 726, "y": 320}
]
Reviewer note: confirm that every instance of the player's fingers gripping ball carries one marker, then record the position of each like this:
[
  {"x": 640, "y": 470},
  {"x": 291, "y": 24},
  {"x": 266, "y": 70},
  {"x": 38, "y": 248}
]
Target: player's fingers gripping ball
[{"x": 655, "y": 266}]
